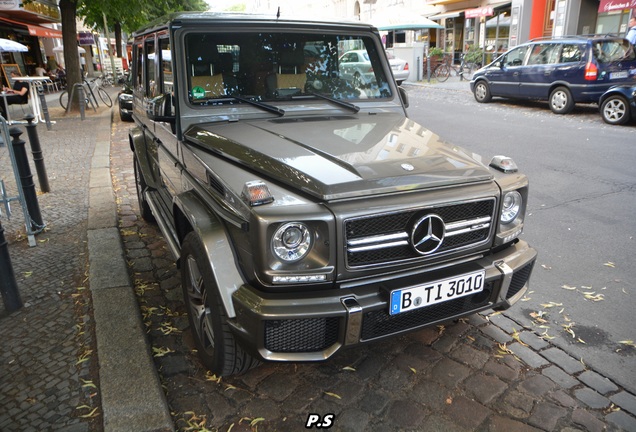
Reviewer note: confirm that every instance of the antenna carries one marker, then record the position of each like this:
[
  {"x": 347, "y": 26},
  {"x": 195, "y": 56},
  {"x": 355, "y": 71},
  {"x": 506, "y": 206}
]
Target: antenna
[{"x": 278, "y": 13}]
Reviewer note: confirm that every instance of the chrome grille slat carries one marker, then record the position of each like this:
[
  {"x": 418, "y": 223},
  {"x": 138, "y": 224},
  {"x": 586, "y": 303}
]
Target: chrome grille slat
[{"x": 385, "y": 238}]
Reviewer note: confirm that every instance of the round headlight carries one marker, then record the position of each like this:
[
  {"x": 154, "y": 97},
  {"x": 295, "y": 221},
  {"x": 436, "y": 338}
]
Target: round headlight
[
  {"x": 291, "y": 241},
  {"x": 511, "y": 207}
]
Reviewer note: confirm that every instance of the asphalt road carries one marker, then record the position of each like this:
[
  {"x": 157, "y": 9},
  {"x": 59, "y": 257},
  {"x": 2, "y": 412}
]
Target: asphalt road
[{"x": 580, "y": 215}]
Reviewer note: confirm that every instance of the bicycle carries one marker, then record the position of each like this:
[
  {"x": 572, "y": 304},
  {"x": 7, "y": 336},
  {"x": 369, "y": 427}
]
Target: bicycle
[
  {"x": 465, "y": 70},
  {"x": 90, "y": 87}
]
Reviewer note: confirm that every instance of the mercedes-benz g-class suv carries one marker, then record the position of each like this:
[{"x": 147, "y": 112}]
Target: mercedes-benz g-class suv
[{"x": 306, "y": 211}]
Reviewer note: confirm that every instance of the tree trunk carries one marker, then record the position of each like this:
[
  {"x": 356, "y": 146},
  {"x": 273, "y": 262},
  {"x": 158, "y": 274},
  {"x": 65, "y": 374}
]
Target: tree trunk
[
  {"x": 68, "y": 10},
  {"x": 118, "y": 38}
]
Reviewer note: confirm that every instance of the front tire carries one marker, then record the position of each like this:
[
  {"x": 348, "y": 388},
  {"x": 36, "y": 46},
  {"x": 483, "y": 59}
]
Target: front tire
[
  {"x": 105, "y": 97},
  {"x": 481, "y": 92},
  {"x": 216, "y": 345},
  {"x": 561, "y": 101},
  {"x": 615, "y": 110}
]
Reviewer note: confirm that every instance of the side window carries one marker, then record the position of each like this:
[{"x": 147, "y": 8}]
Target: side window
[
  {"x": 515, "y": 57},
  {"x": 138, "y": 84},
  {"x": 166, "y": 66},
  {"x": 151, "y": 79},
  {"x": 571, "y": 53},
  {"x": 544, "y": 54}
]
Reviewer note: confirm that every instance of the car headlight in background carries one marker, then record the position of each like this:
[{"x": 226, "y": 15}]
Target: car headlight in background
[
  {"x": 512, "y": 204},
  {"x": 292, "y": 241}
]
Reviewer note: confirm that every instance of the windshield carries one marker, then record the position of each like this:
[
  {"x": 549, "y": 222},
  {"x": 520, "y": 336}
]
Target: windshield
[{"x": 280, "y": 66}]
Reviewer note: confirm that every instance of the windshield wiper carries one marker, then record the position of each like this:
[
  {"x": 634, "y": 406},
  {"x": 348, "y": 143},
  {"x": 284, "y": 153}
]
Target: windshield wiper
[
  {"x": 261, "y": 105},
  {"x": 342, "y": 103}
]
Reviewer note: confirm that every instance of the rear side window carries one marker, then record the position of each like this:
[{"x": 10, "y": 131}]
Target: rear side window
[
  {"x": 571, "y": 53},
  {"x": 612, "y": 50}
]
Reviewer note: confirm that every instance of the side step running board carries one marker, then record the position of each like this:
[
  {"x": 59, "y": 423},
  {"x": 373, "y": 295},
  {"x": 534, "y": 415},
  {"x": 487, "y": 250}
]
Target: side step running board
[{"x": 161, "y": 216}]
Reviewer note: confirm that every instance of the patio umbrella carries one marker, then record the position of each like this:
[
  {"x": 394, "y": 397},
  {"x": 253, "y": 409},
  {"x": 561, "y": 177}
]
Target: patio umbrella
[
  {"x": 7, "y": 45},
  {"x": 61, "y": 49}
]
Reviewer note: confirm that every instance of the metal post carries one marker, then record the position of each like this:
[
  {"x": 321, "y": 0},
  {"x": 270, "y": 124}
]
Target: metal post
[
  {"x": 8, "y": 284},
  {"x": 45, "y": 108},
  {"x": 26, "y": 179},
  {"x": 36, "y": 150}
]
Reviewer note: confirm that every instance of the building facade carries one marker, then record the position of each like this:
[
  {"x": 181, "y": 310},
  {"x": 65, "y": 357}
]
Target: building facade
[
  {"x": 490, "y": 25},
  {"x": 32, "y": 24}
]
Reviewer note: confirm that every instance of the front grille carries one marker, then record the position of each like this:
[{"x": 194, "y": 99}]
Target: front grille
[
  {"x": 381, "y": 323},
  {"x": 389, "y": 234},
  {"x": 301, "y": 335},
  {"x": 519, "y": 279}
]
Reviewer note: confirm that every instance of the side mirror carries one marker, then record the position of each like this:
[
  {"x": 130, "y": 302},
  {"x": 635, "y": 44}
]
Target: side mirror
[
  {"x": 160, "y": 109},
  {"x": 404, "y": 96}
]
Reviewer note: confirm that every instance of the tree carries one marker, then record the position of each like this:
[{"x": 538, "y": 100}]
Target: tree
[{"x": 128, "y": 15}]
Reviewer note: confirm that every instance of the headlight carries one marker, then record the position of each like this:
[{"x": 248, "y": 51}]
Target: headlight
[
  {"x": 512, "y": 203},
  {"x": 125, "y": 97},
  {"x": 291, "y": 241}
]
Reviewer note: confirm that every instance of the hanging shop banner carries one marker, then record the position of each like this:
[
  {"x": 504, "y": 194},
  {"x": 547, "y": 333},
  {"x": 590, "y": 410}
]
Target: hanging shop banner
[
  {"x": 86, "y": 38},
  {"x": 616, "y": 5},
  {"x": 481, "y": 12}
]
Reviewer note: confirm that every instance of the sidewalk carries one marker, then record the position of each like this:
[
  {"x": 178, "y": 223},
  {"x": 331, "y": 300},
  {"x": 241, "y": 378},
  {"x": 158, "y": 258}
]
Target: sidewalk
[{"x": 74, "y": 358}]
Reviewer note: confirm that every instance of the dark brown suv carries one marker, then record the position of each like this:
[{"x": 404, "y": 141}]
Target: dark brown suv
[{"x": 306, "y": 211}]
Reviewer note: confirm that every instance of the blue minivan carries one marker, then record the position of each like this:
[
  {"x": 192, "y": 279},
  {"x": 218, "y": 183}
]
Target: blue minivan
[{"x": 563, "y": 71}]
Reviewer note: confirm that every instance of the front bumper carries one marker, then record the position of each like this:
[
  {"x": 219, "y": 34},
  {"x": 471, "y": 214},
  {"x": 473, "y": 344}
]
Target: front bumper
[{"x": 313, "y": 326}]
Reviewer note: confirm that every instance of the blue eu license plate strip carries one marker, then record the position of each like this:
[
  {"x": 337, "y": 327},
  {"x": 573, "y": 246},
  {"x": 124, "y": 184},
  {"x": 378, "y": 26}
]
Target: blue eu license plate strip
[{"x": 439, "y": 291}]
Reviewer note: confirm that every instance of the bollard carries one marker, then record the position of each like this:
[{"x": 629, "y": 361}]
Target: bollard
[
  {"x": 8, "y": 284},
  {"x": 26, "y": 179},
  {"x": 36, "y": 150}
]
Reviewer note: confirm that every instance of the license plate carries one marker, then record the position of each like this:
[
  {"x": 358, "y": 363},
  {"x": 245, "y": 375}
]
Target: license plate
[
  {"x": 408, "y": 299},
  {"x": 618, "y": 75}
]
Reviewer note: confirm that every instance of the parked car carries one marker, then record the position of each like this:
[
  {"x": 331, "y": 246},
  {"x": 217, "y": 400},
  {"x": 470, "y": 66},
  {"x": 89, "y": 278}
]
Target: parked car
[
  {"x": 399, "y": 67},
  {"x": 562, "y": 71},
  {"x": 305, "y": 210},
  {"x": 125, "y": 100},
  {"x": 618, "y": 104}
]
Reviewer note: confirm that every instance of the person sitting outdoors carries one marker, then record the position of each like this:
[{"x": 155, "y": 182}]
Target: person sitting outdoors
[
  {"x": 19, "y": 94},
  {"x": 41, "y": 71}
]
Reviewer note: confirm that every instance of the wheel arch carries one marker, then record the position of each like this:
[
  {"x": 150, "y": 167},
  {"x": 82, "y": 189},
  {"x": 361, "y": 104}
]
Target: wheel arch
[{"x": 192, "y": 215}]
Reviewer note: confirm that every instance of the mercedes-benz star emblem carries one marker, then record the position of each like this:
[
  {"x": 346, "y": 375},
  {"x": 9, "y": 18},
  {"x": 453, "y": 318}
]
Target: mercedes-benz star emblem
[{"x": 428, "y": 234}]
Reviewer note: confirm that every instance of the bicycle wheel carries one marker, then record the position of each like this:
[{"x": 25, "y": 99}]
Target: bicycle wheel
[
  {"x": 104, "y": 97},
  {"x": 64, "y": 99},
  {"x": 469, "y": 70},
  {"x": 442, "y": 72}
]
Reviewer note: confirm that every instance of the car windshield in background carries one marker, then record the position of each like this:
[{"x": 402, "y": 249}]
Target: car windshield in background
[
  {"x": 607, "y": 51},
  {"x": 282, "y": 66}
]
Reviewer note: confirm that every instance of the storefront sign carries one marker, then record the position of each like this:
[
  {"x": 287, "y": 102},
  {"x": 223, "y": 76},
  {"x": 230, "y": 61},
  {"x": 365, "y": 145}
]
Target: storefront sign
[
  {"x": 86, "y": 38},
  {"x": 616, "y": 5},
  {"x": 480, "y": 12}
]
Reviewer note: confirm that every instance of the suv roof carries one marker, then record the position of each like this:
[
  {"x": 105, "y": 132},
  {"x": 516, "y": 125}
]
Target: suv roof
[{"x": 205, "y": 17}]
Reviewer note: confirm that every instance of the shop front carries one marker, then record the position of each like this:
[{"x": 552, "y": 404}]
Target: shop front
[
  {"x": 613, "y": 16},
  {"x": 28, "y": 24},
  {"x": 482, "y": 31}
]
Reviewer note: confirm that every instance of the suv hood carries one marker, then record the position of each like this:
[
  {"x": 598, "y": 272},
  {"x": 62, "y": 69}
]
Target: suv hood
[{"x": 342, "y": 157}]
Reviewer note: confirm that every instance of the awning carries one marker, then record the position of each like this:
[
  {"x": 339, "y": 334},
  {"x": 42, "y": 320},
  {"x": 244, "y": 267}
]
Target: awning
[
  {"x": 403, "y": 19},
  {"x": 444, "y": 16},
  {"x": 614, "y": 5},
  {"x": 34, "y": 29}
]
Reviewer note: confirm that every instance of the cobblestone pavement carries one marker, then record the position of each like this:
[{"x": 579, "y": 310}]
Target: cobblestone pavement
[
  {"x": 47, "y": 362},
  {"x": 486, "y": 373}
]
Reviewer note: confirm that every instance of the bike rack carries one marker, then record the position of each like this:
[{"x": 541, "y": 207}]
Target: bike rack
[{"x": 82, "y": 99}]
